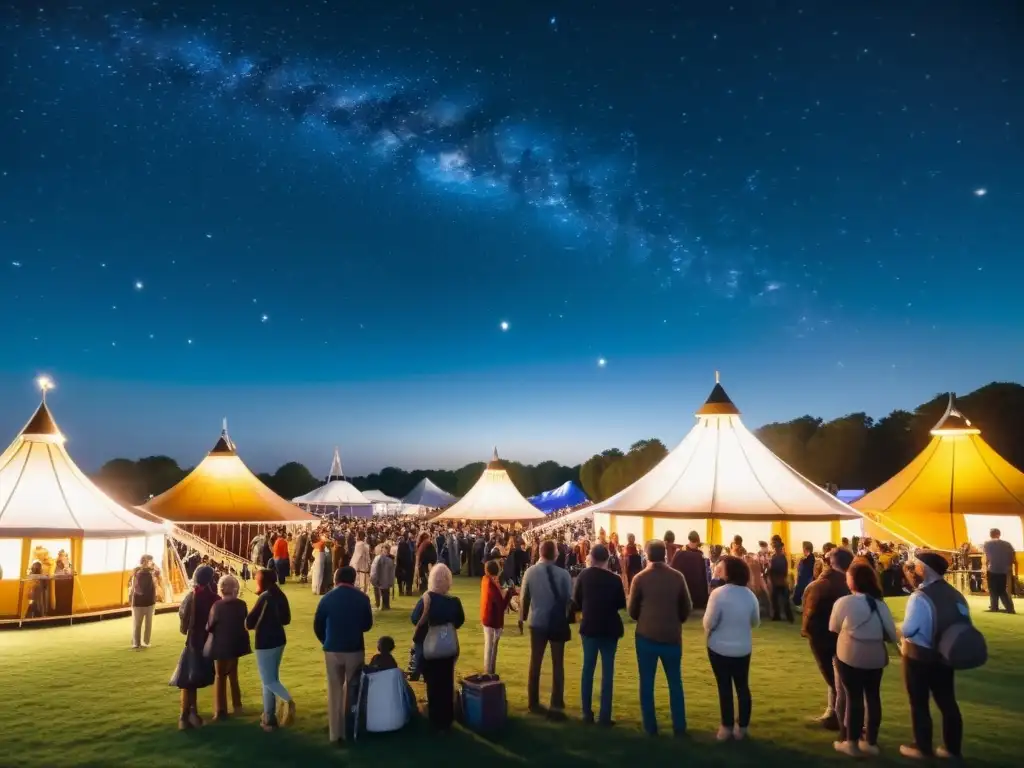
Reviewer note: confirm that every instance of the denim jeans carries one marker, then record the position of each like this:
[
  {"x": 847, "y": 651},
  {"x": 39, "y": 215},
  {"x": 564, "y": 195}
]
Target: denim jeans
[
  {"x": 268, "y": 662},
  {"x": 648, "y": 654},
  {"x": 606, "y": 647}
]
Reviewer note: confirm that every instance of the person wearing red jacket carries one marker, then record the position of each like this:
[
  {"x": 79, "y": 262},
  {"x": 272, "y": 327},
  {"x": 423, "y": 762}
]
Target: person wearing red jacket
[{"x": 493, "y": 604}]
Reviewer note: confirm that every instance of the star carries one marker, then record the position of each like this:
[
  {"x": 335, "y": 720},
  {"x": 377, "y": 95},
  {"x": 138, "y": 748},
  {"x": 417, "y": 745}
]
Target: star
[
  {"x": 504, "y": 325},
  {"x": 188, "y": 341},
  {"x": 264, "y": 318},
  {"x": 980, "y": 192},
  {"x": 601, "y": 362},
  {"x": 138, "y": 285}
]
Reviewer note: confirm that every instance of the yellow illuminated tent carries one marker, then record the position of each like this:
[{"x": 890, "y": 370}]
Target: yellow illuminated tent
[
  {"x": 721, "y": 481},
  {"x": 953, "y": 492},
  {"x": 494, "y": 498},
  {"x": 224, "y": 503},
  {"x": 47, "y": 504}
]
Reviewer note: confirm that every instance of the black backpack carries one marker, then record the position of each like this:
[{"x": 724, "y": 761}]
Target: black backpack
[
  {"x": 143, "y": 585},
  {"x": 961, "y": 645}
]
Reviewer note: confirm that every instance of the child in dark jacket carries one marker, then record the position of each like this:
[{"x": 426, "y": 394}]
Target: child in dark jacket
[{"x": 384, "y": 658}]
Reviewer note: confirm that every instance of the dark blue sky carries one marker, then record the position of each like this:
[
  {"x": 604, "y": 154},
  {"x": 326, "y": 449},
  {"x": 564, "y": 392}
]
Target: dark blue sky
[{"x": 314, "y": 221}]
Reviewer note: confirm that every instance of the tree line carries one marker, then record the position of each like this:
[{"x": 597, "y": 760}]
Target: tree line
[{"x": 853, "y": 451}]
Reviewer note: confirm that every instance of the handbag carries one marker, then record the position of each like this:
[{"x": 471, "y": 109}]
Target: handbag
[
  {"x": 559, "y": 630},
  {"x": 441, "y": 641}
]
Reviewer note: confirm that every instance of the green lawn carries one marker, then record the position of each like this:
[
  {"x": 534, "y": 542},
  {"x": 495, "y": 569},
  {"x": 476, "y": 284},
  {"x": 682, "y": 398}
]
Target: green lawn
[{"x": 81, "y": 696}]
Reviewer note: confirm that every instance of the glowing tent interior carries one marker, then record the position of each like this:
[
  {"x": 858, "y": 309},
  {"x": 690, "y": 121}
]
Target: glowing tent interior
[
  {"x": 493, "y": 498},
  {"x": 224, "y": 503},
  {"x": 47, "y": 504},
  {"x": 426, "y": 496},
  {"x": 721, "y": 481},
  {"x": 337, "y": 495},
  {"x": 952, "y": 492}
]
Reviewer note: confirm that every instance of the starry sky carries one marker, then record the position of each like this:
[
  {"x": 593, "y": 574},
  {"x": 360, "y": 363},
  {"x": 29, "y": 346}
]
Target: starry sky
[{"x": 415, "y": 230}]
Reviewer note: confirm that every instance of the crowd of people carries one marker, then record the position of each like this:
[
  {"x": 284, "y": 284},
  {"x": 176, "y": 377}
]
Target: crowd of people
[{"x": 575, "y": 576}]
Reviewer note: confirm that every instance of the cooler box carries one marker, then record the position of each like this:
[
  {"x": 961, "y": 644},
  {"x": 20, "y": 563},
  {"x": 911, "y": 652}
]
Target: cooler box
[{"x": 484, "y": 704}]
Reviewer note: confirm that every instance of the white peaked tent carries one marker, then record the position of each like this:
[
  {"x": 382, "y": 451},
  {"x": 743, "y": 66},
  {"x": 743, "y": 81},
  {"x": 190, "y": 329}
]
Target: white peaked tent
[
  {"x": 494, "y": 498},
  {"x": 724, "y": 482},
  {"x": 47, "y": 504},
  {"x": 336, "y": 495},
  {"x": 425, "y": 497}
]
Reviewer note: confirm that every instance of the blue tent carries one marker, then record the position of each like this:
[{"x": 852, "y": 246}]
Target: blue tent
[
  {"x": 565, "y": 495},
  {"x": 850, "y": 496}
]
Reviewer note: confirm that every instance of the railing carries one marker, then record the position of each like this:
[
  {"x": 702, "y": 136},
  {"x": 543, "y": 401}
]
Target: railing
[
  {"x": 203, "y": 547},
  {"x": 558, "y": 522}
]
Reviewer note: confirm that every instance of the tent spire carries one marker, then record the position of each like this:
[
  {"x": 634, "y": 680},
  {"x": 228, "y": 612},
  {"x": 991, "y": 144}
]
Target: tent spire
[
  {"x": 42, "y": 422},
  {"x": 718, "y": 402},
  {"x": 224, "y": 444},
  {"x": 336, "y": 473},
  {"x": 954, "y": 422},
  {"x": 495, "y": 462}
]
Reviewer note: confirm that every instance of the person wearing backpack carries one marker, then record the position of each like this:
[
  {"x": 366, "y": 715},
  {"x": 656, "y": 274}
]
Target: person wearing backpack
[
  {"x": 142, "y": 595},
  {"x": 938, "y": 639}
]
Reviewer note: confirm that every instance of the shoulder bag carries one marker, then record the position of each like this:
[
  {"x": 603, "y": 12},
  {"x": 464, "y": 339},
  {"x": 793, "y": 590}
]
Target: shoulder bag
[{"x": 442, "y": 641}]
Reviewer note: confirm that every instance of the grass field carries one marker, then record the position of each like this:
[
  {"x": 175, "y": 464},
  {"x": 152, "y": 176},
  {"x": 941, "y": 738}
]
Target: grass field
[{"x": 80, "y": 696}]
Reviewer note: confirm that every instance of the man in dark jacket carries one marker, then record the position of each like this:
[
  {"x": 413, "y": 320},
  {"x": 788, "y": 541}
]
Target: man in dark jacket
[
  {"x": 404, "y": 565},
  {"x": 142, "y": 589},
  {"x": 819, "y": 598},
  {"x": 778, "y": 577},
  {"x": 689, "y": 561},
  {"x": 598, "y": 594},
  {"x": 342, "y": 618},
  {"x": 303, "y": 551}
]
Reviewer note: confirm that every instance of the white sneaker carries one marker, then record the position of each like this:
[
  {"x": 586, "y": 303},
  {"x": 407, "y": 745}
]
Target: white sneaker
[
  {"x": 724, "y": 734},
  {"x": 739, "y": 733},
  {"x": 848, "y": 748},
  {"x": 869, "y": 749}
]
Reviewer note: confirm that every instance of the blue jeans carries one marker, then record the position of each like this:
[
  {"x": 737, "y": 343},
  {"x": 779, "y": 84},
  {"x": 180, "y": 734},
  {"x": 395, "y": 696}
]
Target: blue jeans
[
  {"x": 268, "y": 662},
  {"x": 648, "y": 654},
  {"x": 606, "y": 647}
]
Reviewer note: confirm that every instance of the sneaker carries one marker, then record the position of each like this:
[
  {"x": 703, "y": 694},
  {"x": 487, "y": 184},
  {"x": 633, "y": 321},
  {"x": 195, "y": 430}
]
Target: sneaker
[
  {"x": 219, "y": 717},
  {"x": 739, "y": 733},
  {"x": 846, "y": 748},
  {"x": 268, "y": 724},
  {"x": 183, "y": 724},
  {"x": 868, "y": 748},
  {"x": 945, "y": 754},
  {"x": 588, "y": 718},
  {"x": 195, "y": 720},
  {"x": 724, "y": 733},
  {"x": 912, "y": 752},
  {"x": 830, "y": 722}
]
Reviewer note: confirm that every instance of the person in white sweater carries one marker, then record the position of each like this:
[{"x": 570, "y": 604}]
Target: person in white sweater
[
  {"x": 731, "y": 615},
  {"x": 864, "y": 625}
]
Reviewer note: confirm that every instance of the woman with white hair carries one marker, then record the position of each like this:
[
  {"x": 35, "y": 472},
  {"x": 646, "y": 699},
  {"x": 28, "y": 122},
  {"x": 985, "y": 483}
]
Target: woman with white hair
[
  {"x": 229, "y": 641},
  {"x": 438, "y": 616}
]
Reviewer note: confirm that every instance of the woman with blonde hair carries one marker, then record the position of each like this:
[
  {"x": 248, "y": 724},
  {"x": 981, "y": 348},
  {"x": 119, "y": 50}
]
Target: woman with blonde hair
[
  {"x": 229, "y": 641},
  {"x": 437, "y": 617}
]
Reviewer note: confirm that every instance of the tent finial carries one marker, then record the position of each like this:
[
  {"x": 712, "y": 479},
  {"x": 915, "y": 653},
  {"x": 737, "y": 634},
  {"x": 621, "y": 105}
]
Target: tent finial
[
  {"x": 45, "y": 384},
  {"x": 718, "y": 378}
]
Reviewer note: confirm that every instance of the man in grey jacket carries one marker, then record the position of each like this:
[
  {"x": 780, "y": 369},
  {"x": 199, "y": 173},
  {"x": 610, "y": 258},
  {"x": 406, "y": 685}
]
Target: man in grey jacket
[{"x": 544, "y": 603}]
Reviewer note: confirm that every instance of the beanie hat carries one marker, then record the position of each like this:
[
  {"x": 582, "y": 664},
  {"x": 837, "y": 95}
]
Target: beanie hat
[{"x": 935, "y": 561}]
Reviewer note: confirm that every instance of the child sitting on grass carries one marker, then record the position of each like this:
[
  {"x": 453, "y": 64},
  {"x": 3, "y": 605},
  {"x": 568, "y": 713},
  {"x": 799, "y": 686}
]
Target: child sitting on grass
[{"x": 384, "y": 659}]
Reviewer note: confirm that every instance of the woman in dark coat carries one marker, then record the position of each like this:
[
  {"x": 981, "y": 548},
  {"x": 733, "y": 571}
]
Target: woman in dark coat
[
  {"x": 230, "y": 642},
  {"x": 439, "y": 673},
  {"x": 195, "y": 670},
  {"x": 268, "y": 618}
]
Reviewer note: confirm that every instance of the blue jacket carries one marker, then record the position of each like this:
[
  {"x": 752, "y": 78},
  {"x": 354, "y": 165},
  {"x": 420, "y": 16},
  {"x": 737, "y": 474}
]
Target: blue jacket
[{"x": 342, "y": 617}]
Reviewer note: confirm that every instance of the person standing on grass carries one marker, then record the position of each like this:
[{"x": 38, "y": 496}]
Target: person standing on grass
[
  {"x": 804, "y": 572},
  {"x": 1000, "y": 570},
  {"x": 438, "y": 609},
  {"x": 404, "y": 560},
  {"x": 932, "y": 608},
  {"x": 544, "y": 604},
  {"x": 267, "y": 619},
  {"x": 864, "y": 625},
  {"x": 194, "y": 670},
  {"x": 659, "y": 603},
  {"x": 382, "y": 577},
  {"x": 230, "y": 642},
  {"x": 342, "y": 617},
  {"x": 598, "y": 595},
  {"x": 361, "y": 562},
  {"x": 732, "y": 613},
  {"x": 819, "y": 599},
  {"x": 493, "y": 604},
  {"x": 690, "y": 562},
  {"x": 778, "y": 577},
  {"x": 142, "y": 589},
  {"x": 282, "y": 559}
]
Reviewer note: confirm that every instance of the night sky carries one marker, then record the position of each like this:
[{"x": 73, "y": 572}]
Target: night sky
[{"x": 416, "y": 230}]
